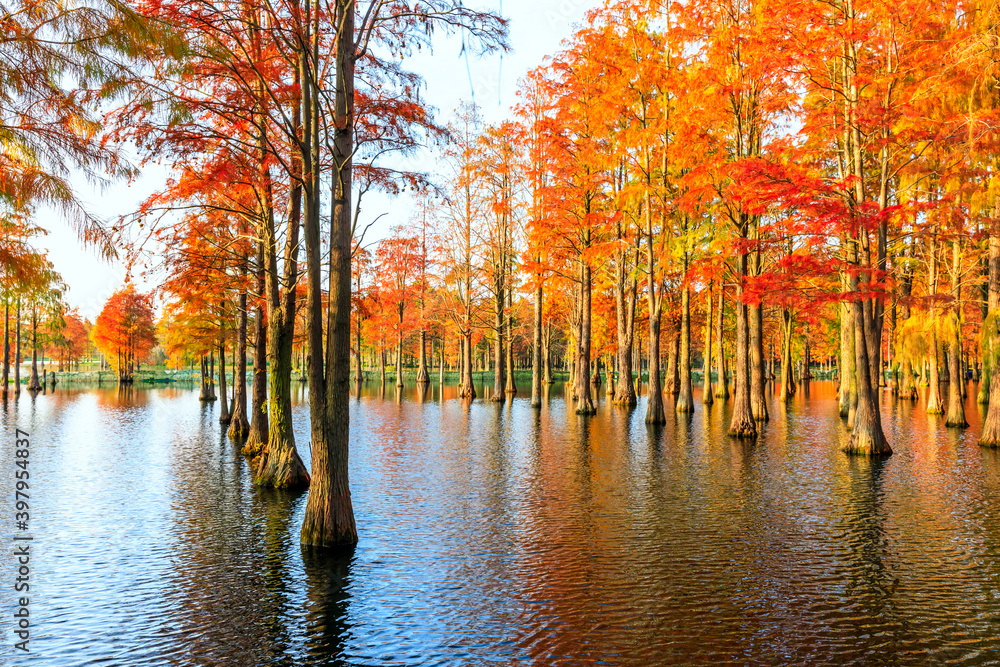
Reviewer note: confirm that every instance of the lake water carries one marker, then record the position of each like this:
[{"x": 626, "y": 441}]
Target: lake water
[{"x": 498, "y": 534}]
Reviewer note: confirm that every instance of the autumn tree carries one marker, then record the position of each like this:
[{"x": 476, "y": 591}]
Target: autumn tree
[{"x": 125, "y": 331}]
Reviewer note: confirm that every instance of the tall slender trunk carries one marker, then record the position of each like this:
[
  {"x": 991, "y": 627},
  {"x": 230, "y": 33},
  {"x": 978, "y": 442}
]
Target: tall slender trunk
[
  {"x": 625, "y": 297},
  {"x": 536, "y": 351},
  {"x": 848, "y": 383},
  {"x": 239, "y": 426},
  {"x": 706, "y": 393},
  {"x": 722, "y": 382},
  {"x": 6, "y": 344},
  {"x": 742, "y": 424},
  {"x": 224, "y": 416},
  {"x": 547, "y": 355},
  {"x": 956, "y": 379},
  {"x": 33, "y": 382},
  {"x": 499, "y": 378},
  {"x": 673, "y": 382},
  {"x": 787, "y": 389},
  {"x": 758, "y": 378},
  {"x": 329, "y": 517},
  {"x": 685, "y": 399},
  {"x": 280, "y": 465},
  {"x": 399, "y": 354},
  {"x": 17, "y": 350},
  {"x": 259, "y": 427},
  {"x": 585, "y": 404},
  {"x": 867, "y": 438},
  {"x": 510, "y": 385}
]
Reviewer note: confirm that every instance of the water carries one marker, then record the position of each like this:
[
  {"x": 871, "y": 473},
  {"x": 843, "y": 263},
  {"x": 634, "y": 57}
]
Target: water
[{"x": 497, "y": 534}]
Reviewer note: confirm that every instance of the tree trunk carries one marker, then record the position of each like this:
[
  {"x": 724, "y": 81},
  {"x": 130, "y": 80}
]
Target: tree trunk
[
  {"x": 585, "y": 404},
  {"x": 240, "y": 426},
  {"x": 6, "y": 345},
  {"x": 33, "y": 383},
  {"x": 625, "y": 296},
  {"x": 758, "y": 378},
  {"x": 259, "y": 427},
  {"x": 706, "y": 393},
  {"x": 499, "y": 379},
  {"x": 742, "y": 424},
  {"x": 17, "y": 350},
  {"x": 991, "y": 373},
  {"x": 399, "y": 356},
  {"x": 536, "y": 351},
  {"x": 329, "y": 517},
  {"x": 423, "y": 377},
  {"x": 382, "y": 365},
  {"x": 685, "y": 399},
  {"x": 867, "y": 438},
  {"x": 956, "y": 379},
  {"x": 934, "y": 406},
  {"x": 279, "y": 465},
  {"x": 722, "y": 382},
  {"x": 848, "y": 386},
  {"x": 224, "y": 416},
  {"x": 787, "y": 389}
]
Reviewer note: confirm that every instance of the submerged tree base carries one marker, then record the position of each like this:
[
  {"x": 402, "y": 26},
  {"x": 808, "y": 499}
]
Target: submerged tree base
[
  {"x": 253, "y": 447},
  {"x": 868, "y": 444},
  {"x": 283, "y": 470},
  {"x": 330, "y": 523},
  {"x": 744, "y": 430}
]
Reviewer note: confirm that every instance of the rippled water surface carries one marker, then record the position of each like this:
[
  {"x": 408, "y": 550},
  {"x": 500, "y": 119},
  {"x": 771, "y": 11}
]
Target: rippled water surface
[{"x": 498, "y": 534}]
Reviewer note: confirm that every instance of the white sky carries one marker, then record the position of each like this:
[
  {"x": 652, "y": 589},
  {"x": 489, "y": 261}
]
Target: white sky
[{"x": 536, "y": 29}]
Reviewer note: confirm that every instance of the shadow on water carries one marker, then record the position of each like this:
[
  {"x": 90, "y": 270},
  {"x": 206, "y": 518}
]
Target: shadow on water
[{"x": 328, "y": 580}]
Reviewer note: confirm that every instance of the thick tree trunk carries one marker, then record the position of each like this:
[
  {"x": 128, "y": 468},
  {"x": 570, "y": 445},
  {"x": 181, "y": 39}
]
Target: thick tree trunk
[
  {"x": 758, "y": 378},
  {"x": 6, "y": 345},
  {"x": 399, "y": 357},
  {"x": 867, "y": 438},
  {"x": 787, "y": 389},
  {"x": 934, "y": 406},
  {"x": 956, "y": 379},
  {"x": 259, "y": 427},
  {"x": 33, "y": 383},
  {"x": 673, "y": 383},
  {"x": 706, "y": 393},
  {"x": 382, "y": 365},
  {"x": 625, "y": 296},
  {"x": 17, "y": 349},
  {"x": 510, "y": 385},
  {"x": 742, "y": 424},
  {"x": 654, "y": 403},
  {"x": 547, "y": 355},
  {"x": 585, "y": 404},
  {"x": 685, "y": 399},
  {"x": 991, "y": 373},
  {"x": 279, "y": 465},
  {"x": 240, "y": 426},
  {"x": 329, "y": 517},
  {"x": 536, "y": 351},
  {"x": 224, "y": 416},
  {"x": 848, "y": 383},
  {"x": 441, "y": 361},
  {"x": 423, "y": 377},
  {"x": 466, "y": 388},
  {"x": 499, "y": 378},
  {"x": 722, "y": 381}
]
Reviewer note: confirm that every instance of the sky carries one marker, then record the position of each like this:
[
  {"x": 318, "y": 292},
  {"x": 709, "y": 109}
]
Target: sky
[{"x": 537, "y": 27}]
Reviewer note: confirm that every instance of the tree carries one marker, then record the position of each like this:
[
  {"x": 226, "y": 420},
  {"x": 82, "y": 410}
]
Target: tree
[{"x": 125, "y": 331}]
